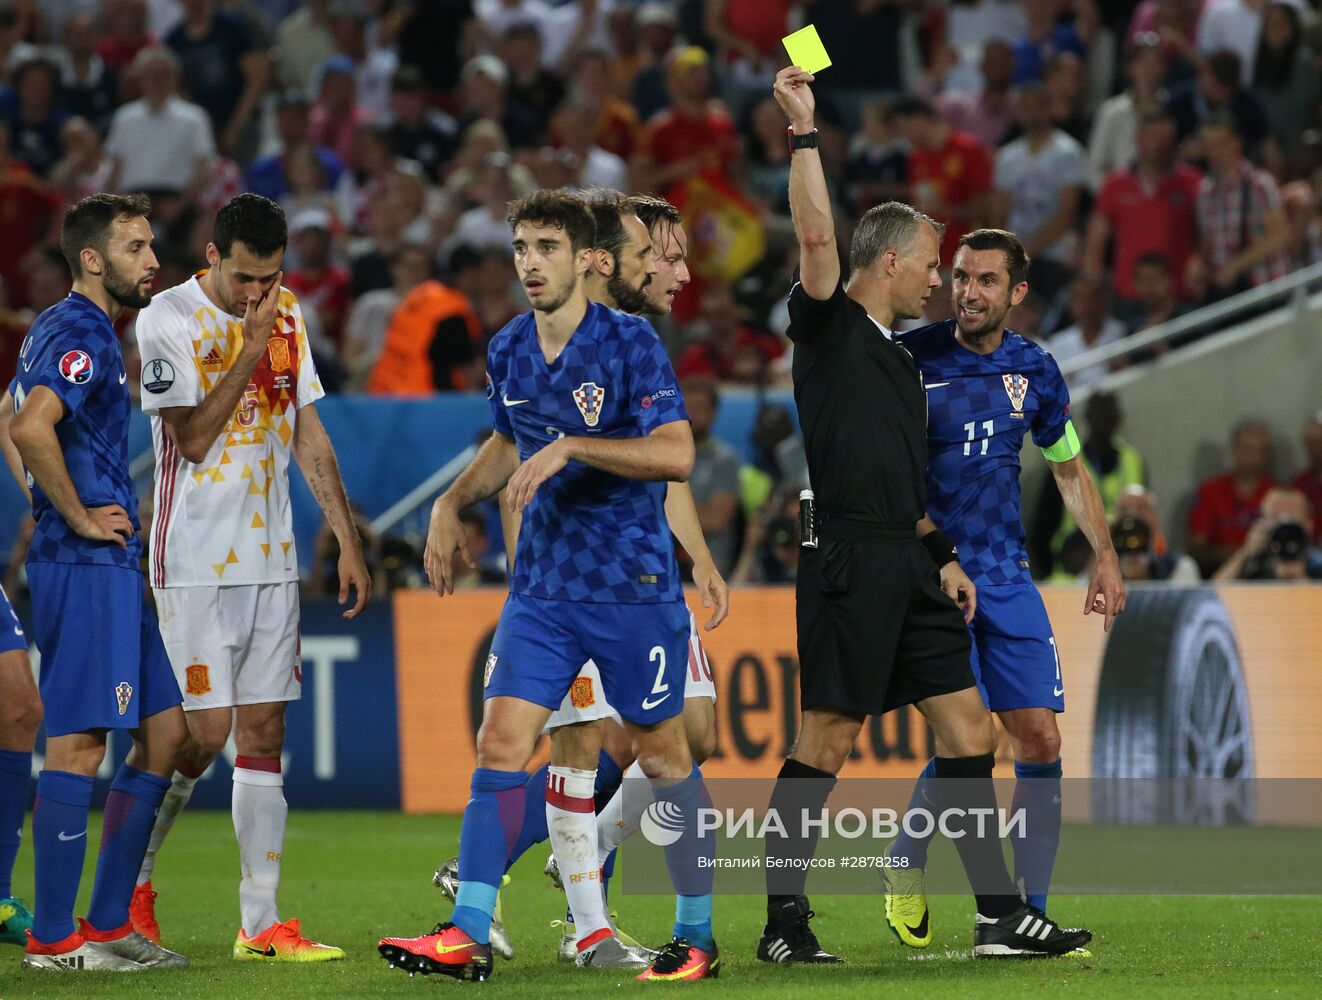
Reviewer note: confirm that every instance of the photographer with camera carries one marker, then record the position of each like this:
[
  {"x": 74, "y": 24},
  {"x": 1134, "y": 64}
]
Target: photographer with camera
[{"x": 1277, "y": 546}]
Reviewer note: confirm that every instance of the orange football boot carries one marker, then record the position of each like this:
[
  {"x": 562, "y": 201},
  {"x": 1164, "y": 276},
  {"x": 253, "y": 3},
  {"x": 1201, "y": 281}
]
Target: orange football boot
[{"x": 446, "y": 949}]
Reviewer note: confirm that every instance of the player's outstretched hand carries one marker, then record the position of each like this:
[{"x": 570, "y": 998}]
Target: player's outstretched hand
[
  {"x": 259, "y": 317},
  {"x": 353, "y": 573},
  {"x": 793, "y": 95},
  {"x": 959, "y": 588},
  {"x": 445, "y": 536},
  {"x": 532, "y": 473},
  {"x": 1106, "y": 591},
  {"x": 715, "y": 592},
  {"x": 108, "y": 524}
]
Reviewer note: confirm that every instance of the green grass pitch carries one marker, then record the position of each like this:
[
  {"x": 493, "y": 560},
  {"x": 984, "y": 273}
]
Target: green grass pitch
[{"x": 351, "y": 877}]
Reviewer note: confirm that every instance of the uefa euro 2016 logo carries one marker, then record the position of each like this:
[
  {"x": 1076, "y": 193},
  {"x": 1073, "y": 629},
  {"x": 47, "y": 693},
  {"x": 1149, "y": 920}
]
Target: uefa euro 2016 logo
[{"x": 589, "y": 398}]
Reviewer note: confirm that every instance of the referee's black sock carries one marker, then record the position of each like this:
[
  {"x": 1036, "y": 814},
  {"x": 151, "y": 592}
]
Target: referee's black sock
[
  {"x": 801, "y": 792},
  {"x": 964, "y": 784}
]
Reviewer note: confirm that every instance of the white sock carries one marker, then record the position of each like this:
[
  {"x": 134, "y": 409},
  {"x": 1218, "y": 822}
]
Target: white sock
[
  {"x": 180, "y": 791},
  {"x": 572, "y": 822},
  {"x": 622, "y": 814},
  {"x": 260, "y": 811}
]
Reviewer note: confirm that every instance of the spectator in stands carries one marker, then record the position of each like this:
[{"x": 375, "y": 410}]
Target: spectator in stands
[
  {"x": 1113, "y": 142},
  {"x": 365, "y": 329},
  {"x": 1066, "y": 84},
  {"x": 986, "y": 113},
  {"x": 321, "y": 285},
  {"x": 47, "y": 281},
  {"x": 371, "y": 162},
  {"x": 1039, "y": 186},
  {"x": 483, "y": 275},
  {"x": 532, "y": 84},
  {"x": 417, "y": 130},
  {"x": 572, "y": 129},
  {"x": 878, "y": 165},
  {"x": 485, "y": 95},
  {"x": 1026, "y": 318},
  {"x": 1170, "y": 564},
  {"x": 83, "y": 168},
  {"x": 1047, "y": 36},
  {"x": 486, "y": 572},
  {"x": 433, "y": 344},
  {"x": 1233, "y": 25},
  {"x": 692, "y": 135},
  {"x": 1154, "y": 299},
  {"x": 125, "y": 33},
  {"x": 615, "y": 126},
  {"x": 303, "y": 43},
  {"x": 269, "y": 175},
  {"x": 767, "y": 158},
  {"x": 715, "y": 476},
  {"x": 225, "y": 72},
  {"x": 337, "y": 113},
  {"x": 161, "y": 144},
  {"x": 494, "y": 183},
  {"x": 950, "y": 172},
  {"x": 1149, "y": 208},
  {"x": 1285, "y": 77},
  {"x": 1115, "y": 465},
  {"x": 730, "y": 350},
  {"x": 33, "y": 113},
  {"x": 1309, "y": 481},
  {"x": 1093, "y": 327},
  {"x": 1216, "y": 93},
  {"x": 770, "y": 554},
  {"x": 88, "y": 87},
  {"x": 1278, "y": 545},
  {"x": 373, "y": 64},
  {"x": 32, "y": 218},
  {"x": 1242, "y": 229},
  {"x": 13, "y": 328},
  {"x": 1226, "y": 506},
  {"x": 1139, "y": 561}
]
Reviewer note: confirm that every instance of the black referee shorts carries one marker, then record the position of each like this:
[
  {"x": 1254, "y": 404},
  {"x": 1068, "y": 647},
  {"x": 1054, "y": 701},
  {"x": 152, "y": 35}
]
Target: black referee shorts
[{"x": 875, "y": 629}]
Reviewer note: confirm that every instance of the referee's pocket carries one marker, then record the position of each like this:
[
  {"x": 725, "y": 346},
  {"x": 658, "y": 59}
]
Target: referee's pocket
[{"x": 837, "y": 565}]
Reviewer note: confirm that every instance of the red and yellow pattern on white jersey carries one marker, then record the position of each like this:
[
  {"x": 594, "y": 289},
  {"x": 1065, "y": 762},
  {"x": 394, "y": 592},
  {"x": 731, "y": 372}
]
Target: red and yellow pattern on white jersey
[{"x": 224, "y": 521}]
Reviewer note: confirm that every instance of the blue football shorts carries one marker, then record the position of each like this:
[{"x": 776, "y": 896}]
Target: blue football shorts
[{"x": 1014, "y": 651}]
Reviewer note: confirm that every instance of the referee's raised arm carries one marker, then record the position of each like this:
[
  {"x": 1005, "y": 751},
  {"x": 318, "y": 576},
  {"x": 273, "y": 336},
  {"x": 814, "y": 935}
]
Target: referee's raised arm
[{"x": 810, "y": 204}]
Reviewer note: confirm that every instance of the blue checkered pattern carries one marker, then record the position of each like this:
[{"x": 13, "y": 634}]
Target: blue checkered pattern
[
  {"x": 975, "y": 434},
  {"x": 73, "y": 351},
  {"x": 588, "y": 535}
]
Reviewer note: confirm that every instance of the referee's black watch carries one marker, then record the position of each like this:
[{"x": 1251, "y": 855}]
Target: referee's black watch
[{"x": 806, "y": 141}]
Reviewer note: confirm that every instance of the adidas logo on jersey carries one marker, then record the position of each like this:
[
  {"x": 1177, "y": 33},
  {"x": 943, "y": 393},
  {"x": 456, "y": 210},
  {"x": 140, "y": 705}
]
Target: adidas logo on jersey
[{"x": 214, "y": 359}]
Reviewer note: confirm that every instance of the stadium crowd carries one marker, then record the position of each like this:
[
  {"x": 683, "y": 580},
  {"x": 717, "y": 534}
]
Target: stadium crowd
[{"x": 1153, "y": 156}]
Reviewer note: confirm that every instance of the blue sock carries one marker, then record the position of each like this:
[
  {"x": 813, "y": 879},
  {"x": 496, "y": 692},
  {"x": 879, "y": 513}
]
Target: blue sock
[
  {"x": 609, "y": 777},
  {"x": 693, "y": 921},
  {"x": 1037, "y": 792},
  {"x": 607, "y": 870},
  {"x": 692, "y": 880},
  {"x": 493, "y": 819},
  {"x": 924, "y": 797},
  {"x": 533, "y": 830},
  {"x": 129, "y": 815},
  {"x": 59, "y": 843},
  {"x": 15, "y": 774}
]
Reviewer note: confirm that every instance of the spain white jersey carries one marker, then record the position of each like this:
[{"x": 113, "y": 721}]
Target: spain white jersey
[{"x": 224, "y": 521}]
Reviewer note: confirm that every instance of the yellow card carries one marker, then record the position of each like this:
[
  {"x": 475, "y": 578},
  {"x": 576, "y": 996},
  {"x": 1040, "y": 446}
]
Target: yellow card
[{"x": 806, "y": 50}]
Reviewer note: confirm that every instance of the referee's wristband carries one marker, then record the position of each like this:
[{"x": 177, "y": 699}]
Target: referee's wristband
[{"x": 941, "y": 547}]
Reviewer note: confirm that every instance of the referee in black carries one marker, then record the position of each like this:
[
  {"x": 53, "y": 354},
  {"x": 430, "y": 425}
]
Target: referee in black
[{"x": 876, "y": 630}]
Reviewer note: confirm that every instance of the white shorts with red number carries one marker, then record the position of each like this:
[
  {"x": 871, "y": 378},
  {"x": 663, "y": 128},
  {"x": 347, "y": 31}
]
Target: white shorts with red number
[
  {"x": 232, "y": 645},
  {"x": 586, "y": 700}
]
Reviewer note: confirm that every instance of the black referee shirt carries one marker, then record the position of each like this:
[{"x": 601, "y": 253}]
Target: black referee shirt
[{"x": 863, "y": 411}]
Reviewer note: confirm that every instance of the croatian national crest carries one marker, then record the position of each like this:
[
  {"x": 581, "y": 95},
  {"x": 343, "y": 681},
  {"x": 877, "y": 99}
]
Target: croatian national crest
[
  {"x": 123, "y": 695},
  {"x": 589, "y": 398},
  {"x": 1016, "y": 387},
  {"x": 580, "y": 693},
  {"x": 278, "y": 349}
]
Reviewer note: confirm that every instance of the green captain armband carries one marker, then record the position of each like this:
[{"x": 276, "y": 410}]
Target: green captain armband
[{"x": 1066, "y": 448}]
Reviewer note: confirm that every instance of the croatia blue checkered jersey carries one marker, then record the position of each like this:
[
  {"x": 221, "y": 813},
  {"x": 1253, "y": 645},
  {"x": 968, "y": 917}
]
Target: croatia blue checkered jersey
[
  {"x": 73, "y": 351},
  {"x": 978, "y": 410},
  {"x": 588, "y": 535}
]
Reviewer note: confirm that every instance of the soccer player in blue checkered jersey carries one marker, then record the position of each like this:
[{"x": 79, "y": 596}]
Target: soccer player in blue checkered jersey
[
  {"x": 103, "y": 664},
  {"x": 589, "y": 429},
  {"x": 986, "y": 388}
]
